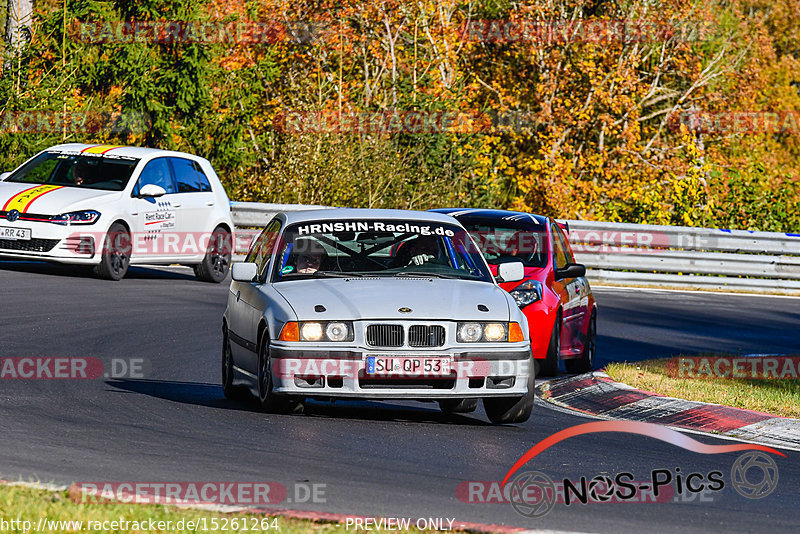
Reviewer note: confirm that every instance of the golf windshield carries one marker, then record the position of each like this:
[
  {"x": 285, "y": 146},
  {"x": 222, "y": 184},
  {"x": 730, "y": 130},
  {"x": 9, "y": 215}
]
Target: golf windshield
[
  {"x": 75, "y": 170},
  {"x": 339, "y": 248}
]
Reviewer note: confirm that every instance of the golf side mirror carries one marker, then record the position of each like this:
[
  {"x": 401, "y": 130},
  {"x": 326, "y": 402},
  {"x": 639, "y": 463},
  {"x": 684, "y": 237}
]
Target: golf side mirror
[{"x": 152, "y": 190}]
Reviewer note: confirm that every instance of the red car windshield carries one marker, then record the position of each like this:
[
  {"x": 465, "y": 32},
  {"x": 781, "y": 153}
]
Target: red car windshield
[{"x": 500, "y": 244}]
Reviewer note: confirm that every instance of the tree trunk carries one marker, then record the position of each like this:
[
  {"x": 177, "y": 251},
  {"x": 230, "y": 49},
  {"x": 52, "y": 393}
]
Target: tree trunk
[{"x": 18, "y": 21}]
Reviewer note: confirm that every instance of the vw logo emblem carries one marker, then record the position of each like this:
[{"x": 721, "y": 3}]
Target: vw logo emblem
[
  {"x": 405, "y": 310},
  {"x": 12, "y": 215}
]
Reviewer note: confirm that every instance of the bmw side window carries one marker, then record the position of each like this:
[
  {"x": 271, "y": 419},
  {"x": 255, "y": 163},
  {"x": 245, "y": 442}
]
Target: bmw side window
[
  {"x": 273, "y": 231},
  {"x": 185, "y": 175},
  {"x": 255, "y": 254},
  {"x": 157, "y": 172},
  {"x": 560, "y": 255},
  {"x": 261, "y": 252}
]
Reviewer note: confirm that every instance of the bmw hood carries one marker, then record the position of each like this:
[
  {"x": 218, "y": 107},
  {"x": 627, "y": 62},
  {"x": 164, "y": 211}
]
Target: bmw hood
[
  {"x": 51, "y": 200},
  {"x": 352, "y": 299}
]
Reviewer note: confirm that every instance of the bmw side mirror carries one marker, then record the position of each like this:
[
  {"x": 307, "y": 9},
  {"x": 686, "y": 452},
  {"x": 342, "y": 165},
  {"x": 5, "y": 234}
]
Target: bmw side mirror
[
  {"x": 513, "y": 271},
  {"x": 572, "y": 270},
  {"x": 4, "y": 175},
  {"x": 152, "y": 191},
  {"x": 244, "y": 272}
]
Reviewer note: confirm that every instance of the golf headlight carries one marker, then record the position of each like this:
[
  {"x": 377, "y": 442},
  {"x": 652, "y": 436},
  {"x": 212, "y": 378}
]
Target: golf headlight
[
  {"x": 330, "y": 331},
  {"x": 527, "y": 293},
  {"x": 76, "y": 217}
]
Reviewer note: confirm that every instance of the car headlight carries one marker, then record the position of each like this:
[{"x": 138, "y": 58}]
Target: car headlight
[
  {"x": 469, "y": 332},
  {"x": 316, "y": 331},
  {"x": 337, "y": 331},
  {"x": 527, "y": 293},
  {"x": 475, "y": 332},
  {"x": 311, "y": 332},
  {"x": 494, "y": 332},
  {"x": 76, "y": 217}
]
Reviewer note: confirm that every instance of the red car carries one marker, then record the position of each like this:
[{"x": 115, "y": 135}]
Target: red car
[{"x": 554, "y": 295}]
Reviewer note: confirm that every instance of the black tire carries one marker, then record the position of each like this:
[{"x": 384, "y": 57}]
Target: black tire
[
  {"x": 585, "y": 363},
  {"x": 549, "y": 366},
  {"x": 228, "y": 389},
  {"x": 449, "y": 406},
  {"x": 512, "y": 410},
  {"x": 214, "y": 267},
  {"x": 115, "y": 256},
  {"x": 269, "y": 401}
]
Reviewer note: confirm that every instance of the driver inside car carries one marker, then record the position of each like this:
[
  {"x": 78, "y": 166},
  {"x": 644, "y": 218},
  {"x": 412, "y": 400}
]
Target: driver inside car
[
  {"x": 310, "y": 254},
  {"x": 80, "y": 171},
  {"x": 418, "y": 251},
  {"x": 521, "y": 245}
]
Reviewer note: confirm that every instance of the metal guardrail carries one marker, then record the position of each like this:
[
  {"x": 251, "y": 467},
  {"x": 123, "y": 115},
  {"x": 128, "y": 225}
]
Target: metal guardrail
[
  {"x": 652, "y": 255},
  {"x": 257, "y": 214}
]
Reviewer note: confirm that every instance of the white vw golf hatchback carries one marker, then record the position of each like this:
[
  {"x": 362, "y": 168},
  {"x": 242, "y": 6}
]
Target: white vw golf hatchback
[{"x": 113, "y": 206}]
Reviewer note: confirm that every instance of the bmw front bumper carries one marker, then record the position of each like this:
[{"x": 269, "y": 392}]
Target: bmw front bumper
[{"x": 488, "y": 371}]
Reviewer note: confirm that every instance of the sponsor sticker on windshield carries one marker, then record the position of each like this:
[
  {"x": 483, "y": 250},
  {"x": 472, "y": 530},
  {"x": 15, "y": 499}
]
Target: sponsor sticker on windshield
[{"x": 375, "y": 226}]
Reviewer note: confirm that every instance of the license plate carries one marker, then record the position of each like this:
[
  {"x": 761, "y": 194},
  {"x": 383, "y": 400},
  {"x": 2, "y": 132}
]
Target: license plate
[
  {"x": 15, "y": 234},
  {"x": 407, "y": 365}
]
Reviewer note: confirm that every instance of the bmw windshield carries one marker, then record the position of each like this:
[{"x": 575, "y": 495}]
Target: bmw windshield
[
  {"x": 74, "y": 170},
  {"x": 336, "y": 248}
]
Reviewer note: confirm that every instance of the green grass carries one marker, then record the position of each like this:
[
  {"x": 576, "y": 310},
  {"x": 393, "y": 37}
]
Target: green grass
[
  {"x": 773, "y": 396},
  {"x": 27, "y": 503}
]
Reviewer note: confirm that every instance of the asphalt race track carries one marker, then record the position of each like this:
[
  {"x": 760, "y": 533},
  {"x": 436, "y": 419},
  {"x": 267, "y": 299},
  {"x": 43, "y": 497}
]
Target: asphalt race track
[{"x": 376, "y": 459}]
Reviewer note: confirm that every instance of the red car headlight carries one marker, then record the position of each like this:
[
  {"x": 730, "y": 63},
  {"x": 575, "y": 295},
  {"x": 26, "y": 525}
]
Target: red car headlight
[{"x": 527, "y": 293}]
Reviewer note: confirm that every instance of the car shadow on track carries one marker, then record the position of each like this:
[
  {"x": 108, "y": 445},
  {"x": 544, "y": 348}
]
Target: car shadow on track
[
  {"x": 82, "y": 271},
  {"x": 386, "y": 411},
  {"x": 196, "y": 393},
  {"x": 210, "y": 395}
]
